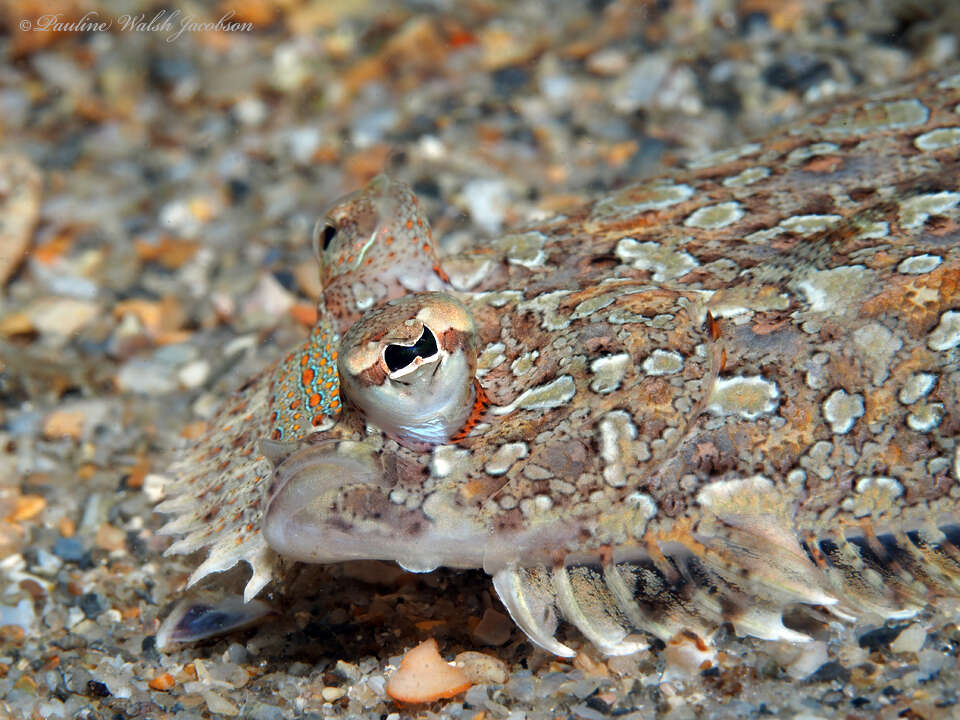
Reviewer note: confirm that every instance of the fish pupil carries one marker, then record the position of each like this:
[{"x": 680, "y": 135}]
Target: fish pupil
[
  {"x": 398, "y": 357},
  {"x": 329, "y": 233}
]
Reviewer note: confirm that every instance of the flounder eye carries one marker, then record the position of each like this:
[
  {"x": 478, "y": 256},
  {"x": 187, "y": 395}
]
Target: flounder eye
[
  {"x": 400, "y": 358},
  {"x": 374, "y": 245},
  {"x": 329, "y": 231},
  {"x": 410, "y": 367},
  {"x": 323, "y": 234}
]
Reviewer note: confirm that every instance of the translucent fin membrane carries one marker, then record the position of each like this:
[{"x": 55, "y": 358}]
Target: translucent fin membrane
[
  {"x": 617, "y": 600},
  {"x": 201, "y": 616}
]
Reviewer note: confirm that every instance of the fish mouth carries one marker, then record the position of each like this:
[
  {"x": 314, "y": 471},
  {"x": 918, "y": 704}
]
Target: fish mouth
[{"x": 330, "y": 502}]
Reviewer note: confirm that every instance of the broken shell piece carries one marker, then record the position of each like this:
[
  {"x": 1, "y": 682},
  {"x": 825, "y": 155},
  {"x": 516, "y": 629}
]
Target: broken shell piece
[
  {"x": 687, "y": 655},
  {"x": 200, "y": 617},
  {"x": 424, "y": 676}
]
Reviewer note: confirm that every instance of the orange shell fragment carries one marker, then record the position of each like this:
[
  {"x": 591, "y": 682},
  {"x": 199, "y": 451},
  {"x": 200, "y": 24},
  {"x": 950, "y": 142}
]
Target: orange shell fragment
[{"x": 424, "y": 676}]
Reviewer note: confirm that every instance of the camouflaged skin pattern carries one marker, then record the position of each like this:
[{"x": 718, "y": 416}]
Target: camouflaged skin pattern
[
  {"x": 829, "y": 260},
  {"x": 760, "y": 352}
]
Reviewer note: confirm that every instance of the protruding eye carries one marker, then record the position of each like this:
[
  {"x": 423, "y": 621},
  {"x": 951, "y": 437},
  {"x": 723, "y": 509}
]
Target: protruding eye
[
  {"x": 409, "y": 366},
  {"x": 329, "y": 232},
  {"x": 398, "y": 357},
  {"x": 323, "y": 234}
]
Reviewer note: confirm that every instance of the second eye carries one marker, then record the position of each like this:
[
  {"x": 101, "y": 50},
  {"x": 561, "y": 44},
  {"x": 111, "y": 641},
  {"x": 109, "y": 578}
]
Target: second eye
[{"x": 398, "y": 357}]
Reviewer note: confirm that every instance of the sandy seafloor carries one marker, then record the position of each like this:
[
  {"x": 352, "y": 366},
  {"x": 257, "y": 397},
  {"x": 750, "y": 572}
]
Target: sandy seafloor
[{"x": 179, "y": 175}]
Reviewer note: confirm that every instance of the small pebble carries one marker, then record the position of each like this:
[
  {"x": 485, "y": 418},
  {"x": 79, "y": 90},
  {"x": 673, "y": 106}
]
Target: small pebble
[
  {"x": 590, "y": 663},
  {"x": 806, "y": 659},
  {"x": 481, "y": 668},
  {"x": 62, "y": 317},
  {"x": 303, "y": 143},
  {"x": 69, "y": 549},
  {"x": 163, "y": 683},
  {"x": 625, "y": 665},
  {"x": 64, "y": 423},
  {"x": 238, "y": 654},
  {"x": 111, "y": 538},
  {"x": 217, "y": 703},
  {"x": 637, "y": 86},
  {"x": 268, "y": 301},
  {"x": 609, "y": 61},
  {"x": 348, "y": 671},
  {"x": 20, "y": 200},
  {"x": 28, "y": 507},
  {"x": 147, "y": 377},
  {"x": 74, "y": 617},
  {"x": 494, "y": 628},
  {"x": 264, "y": 711},
  {"x": 487, "y": 202},
  {"x": 331, "y": 694},
  {"x": 910, "y": 639},
  {"x": 194, "y": 374},
  {"x": 12, "y": 635},
  {"x": 66, "y": 526}
]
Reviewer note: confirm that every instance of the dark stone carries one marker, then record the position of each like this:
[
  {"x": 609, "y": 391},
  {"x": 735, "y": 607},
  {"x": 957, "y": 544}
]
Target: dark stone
[
  {"x": 69, "y": 549},
  {"x": 427, "y": 188},
  {"x": 509, "y": 79},
  {"x": 723, "y": 95},
  {"x": 137, "y": 545},
  {"x": 95, "y": 688},
  {"x": 522, "y": 135},
  {"x": 597, "y": 6},
  {"x": 755, "y": 22},
  {"x": 286, "y": 279},
  {"x": 880, "y": 638},
  {"x": 91, "y": 605},
  {"x": 148, "y": 646},
  {"x": 166, "y": 71},
  {"x": 594, "y": 702},
  {"x": 649, "y": 153},
  {"x": 830, "y": 671},
  {"x": 64, "y": 155},
  {"x": 797, "y": 72},
  {"x": 422, "y": 124},
  {"x": 238, "y": 189}
]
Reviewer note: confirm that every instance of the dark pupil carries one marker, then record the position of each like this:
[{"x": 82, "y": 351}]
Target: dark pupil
[
  {"x": 329, "y": 232},
  {"x": 398, "y": 357}
]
